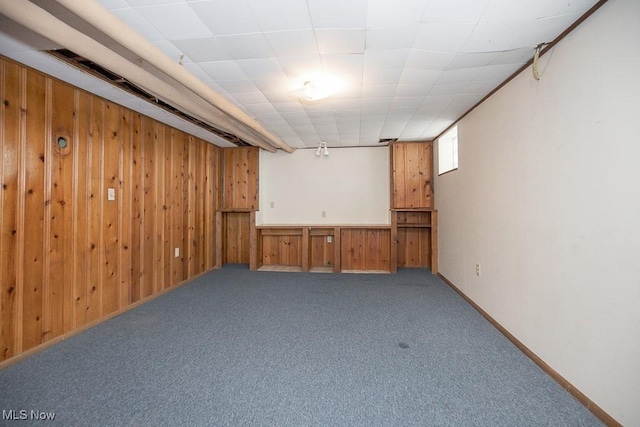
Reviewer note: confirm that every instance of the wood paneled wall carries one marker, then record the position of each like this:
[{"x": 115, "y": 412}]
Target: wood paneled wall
[
  {"x": 68, "y": 255},
  {"x": 236, "y": 228},
  {"x": 365, "y": 249},
  {"x": 411, "y": 175},
  {"x": 240, "y": 178}
]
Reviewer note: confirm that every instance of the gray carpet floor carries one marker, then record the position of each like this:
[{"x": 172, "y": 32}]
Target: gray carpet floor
[{"x": 242, "y": 348}]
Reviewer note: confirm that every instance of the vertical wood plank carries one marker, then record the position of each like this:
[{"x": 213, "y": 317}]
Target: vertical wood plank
[
  {"x": 80, "y": 214},
  {"x": 61, "y": 210},
  {"x": 137, "y": 208},
  {"x": 94, "y": 179},
  {"x": 185, "y": 207},
  {"x": 160, "y": 247},
  {"x": 220, "y": 233},
  {"x": 149, "y": 222},
  {"x": 393, "y": 263},
  {"x": 191, "y": 246},
  {"x": 210, "y": 208},
  {"x": 168, "y": 200},
  {"x": 110, "y": 249},
  {"x": 125, "y": 216},
  {"x": 177, "y": 143},
  {"x": 11, "y": 86},
  {"x": 32, "y": 168}
]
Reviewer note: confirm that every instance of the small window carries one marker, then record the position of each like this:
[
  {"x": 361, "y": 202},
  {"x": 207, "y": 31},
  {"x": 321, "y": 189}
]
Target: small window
[{"x": 448, "y": 151}]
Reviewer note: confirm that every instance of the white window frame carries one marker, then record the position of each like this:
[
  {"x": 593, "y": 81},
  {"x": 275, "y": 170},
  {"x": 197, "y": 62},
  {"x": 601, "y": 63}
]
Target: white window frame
[{"x": 448, "y": 151}]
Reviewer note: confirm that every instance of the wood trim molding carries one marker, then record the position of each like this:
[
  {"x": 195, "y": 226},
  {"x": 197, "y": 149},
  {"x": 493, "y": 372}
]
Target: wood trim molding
[{"x": 581, "y": 397}]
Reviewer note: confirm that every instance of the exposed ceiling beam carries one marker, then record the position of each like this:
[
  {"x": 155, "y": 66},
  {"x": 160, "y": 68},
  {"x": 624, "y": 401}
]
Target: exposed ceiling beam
[
  {"x": 104, "y": 20},
  {"x": 47, "y": 25}
]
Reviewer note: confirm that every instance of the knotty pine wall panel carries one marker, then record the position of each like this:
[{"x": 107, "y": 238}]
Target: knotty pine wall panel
[
  {"x": 365, "y": 249},
  {"x": 236, "y": 229},
  {"x": 240, "y": 178},
  {"x": 414, "y": 247},
  {"x": 411, "y": 183},
  {"x": 68, "y": 255}
]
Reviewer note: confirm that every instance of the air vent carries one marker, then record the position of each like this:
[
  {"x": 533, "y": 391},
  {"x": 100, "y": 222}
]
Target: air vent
[
  {"x": 102, "y": 73},
  {"x": 387, "y": 140}
]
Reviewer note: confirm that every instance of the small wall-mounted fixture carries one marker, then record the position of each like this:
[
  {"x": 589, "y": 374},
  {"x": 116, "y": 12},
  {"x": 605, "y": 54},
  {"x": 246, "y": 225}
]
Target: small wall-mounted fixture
[
  {"x": 322, "y": 147},
  {"x": 62, "y": 142}
]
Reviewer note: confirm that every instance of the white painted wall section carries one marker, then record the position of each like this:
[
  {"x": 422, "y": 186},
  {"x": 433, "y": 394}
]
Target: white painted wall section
[
  {"x": 351, "y": 186},
  {"x": 547, "y": 200}
]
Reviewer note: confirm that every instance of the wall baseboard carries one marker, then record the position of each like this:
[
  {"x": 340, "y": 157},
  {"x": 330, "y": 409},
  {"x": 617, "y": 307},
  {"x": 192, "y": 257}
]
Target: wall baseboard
[{"x": 581, "y": 397}]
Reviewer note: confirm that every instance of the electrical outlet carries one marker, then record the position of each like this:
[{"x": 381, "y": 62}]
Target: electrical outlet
[
  {"x": 176, "y": 252},
  {"x": 329, "y": 239},
  {"x": 111, "y": 194},
  {"x": 478, "y": 269},
  {"x": 324, "y": 214},
  {"x": 273, "y": 204}
]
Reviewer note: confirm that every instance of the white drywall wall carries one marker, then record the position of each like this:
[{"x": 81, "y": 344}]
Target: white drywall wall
[
  {"x": 547, "y": 200},
  {"x": 351, "y": 186}
]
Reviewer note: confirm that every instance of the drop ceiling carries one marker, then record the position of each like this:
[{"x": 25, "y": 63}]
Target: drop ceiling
[{"x": 407, "y": 68}]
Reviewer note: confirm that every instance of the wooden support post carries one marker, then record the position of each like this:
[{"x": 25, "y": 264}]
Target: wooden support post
[
  {"x": 306, "y": 243},
  {"x": 393, "y": 262},
  {"x": 219, "y": 236},
  {"x": 253, "y": 242},
  {"x": 434, "y": 242},
  {"x": 337, "y": 261}
]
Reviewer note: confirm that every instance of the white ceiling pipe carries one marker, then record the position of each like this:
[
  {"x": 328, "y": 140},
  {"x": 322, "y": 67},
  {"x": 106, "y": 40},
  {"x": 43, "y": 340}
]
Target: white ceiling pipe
[
  {"x": 102, "y": 18},
  {"x": 47, "y": 25}
]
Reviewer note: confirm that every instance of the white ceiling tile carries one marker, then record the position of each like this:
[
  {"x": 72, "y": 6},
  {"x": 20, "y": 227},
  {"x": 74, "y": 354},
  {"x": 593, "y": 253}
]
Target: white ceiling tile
[
  {"x": 248, "y": 98},
  {"x": 338, "y": 13},
  {"x": 303, "y": 67},
  {"x": 442, "y": 37},
  {"x": 197, "y": 71},
  {"x": 398, "y": 12},
  {"x": 419, "y": 76},
  {"x": 176, "y": 21},
  {"x": 505, "y": 36},
  {"x": 114, "y": 4},
  {"x": 385, "y": 59},
  {"x": 237, "y": 86},
  {"x": 454, "y": 11},
  {"x": 382, "y": 76},
  {"x": 132, "y": 18},
  {"x": 496, "y": 72},
  {"x": 263, "y": 68},
  {"x": 376, "y": 104},
  {"x": 437, "y": 101},
  {"x": 246, "y": 46},
  {"x": 343, "y": 63},
  {"x": 202, "y": 50},
  {"x": 223, "y": 70},
  {"x": 223, "y": 17},
  {"x": 279, "y": 15},
  {"x": 429, "y": 60},
  {"x": 506, "y": 10},
  {"x": 388, "y": 38},
  {"x": 379, "y": 91},
  {"x": 457, "y": 76},
  {"x": 341, "y": 40},
  {"x": 293, "y": 42},
  {"x": 516, "y": 56},
  {"x": 406, "y": 102},
  {"x": 274, "y": 83},
  {"x": 136, "y": 3},
  {"x": 470, "y": 60},
  {"x": 262, "y": 109},
  {"x": 412, "y": 91},
  {"x": 448, "y": 89}
]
